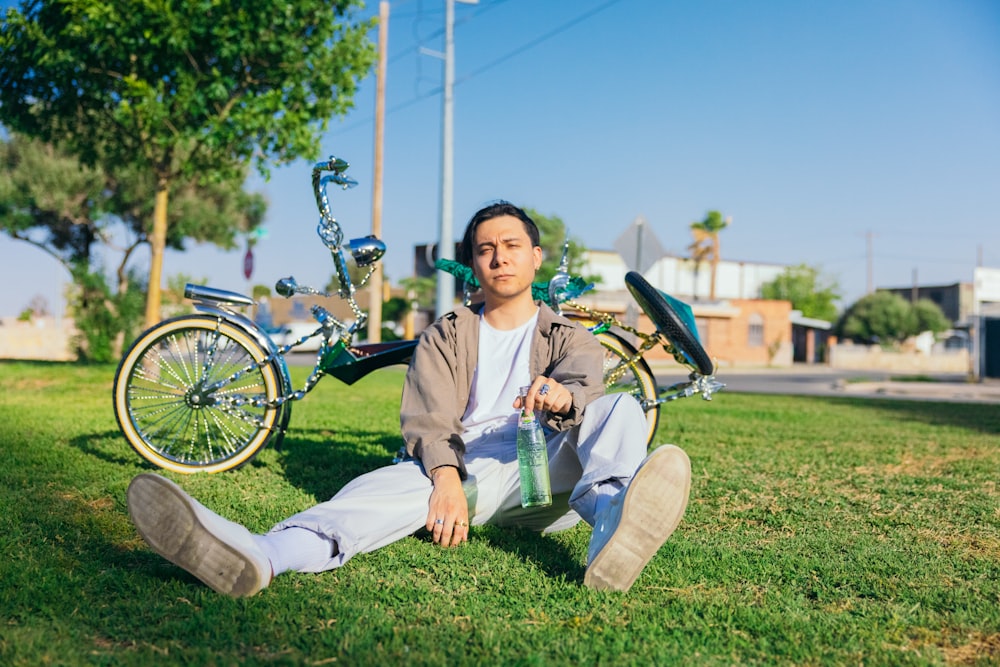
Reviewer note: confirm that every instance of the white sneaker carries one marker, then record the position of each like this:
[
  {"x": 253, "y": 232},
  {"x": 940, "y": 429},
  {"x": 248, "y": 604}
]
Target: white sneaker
[
  {"x": 636, "y": 523},
  {"x": 221, "y": 553}
]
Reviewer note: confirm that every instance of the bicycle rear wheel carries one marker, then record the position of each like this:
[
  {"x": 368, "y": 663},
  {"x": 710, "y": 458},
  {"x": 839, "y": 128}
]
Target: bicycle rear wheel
[
  {"x": 668, "y": 322},
  {"x": 631, "y": 377},
  {"x": 188, "y": 395}
]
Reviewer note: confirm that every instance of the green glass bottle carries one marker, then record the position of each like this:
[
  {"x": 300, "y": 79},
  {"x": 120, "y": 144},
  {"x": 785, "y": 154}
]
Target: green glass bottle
[{"x": 532, "y": 459}]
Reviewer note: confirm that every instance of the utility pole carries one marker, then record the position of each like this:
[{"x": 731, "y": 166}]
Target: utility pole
[
  {"x": 446, "y": 240},
  {"x": 375, "y": 289},
  {"x": 446, "y": 244},
  {"x": 871, "y": 263},
  {"x": 640, "y": 225}
]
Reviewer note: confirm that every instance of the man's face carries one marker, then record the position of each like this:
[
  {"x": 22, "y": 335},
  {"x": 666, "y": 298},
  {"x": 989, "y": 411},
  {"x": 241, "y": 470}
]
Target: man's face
[{"x": 503, "y": 258}]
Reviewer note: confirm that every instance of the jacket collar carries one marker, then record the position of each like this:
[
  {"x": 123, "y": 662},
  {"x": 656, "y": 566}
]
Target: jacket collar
[{"x": 547, "y": 318}]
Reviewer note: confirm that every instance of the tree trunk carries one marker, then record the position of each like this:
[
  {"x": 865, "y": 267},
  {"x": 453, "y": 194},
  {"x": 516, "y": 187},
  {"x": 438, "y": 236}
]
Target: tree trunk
[
  {"x": 157, "y": 244},
  {"x": 715, "y": 265}
]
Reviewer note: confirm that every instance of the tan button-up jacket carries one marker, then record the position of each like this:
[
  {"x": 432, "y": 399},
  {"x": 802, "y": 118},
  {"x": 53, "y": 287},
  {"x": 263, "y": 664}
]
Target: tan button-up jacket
[{"x": 439, "y": 380}]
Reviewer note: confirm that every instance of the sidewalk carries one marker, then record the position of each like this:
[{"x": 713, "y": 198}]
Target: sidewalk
[{"x": 987, "y": 391}]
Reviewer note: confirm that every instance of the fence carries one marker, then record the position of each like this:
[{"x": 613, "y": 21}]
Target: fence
[
  {"x": 42, "y": 338},
  {"x": 847, "y": 356}
]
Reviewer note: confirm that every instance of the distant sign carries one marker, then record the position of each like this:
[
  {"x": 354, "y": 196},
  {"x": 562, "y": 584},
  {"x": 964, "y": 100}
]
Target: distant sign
[
  {"x": 248, "y": 264},
  {"x": 987, "y": 282},
  {"x": 639, "y": 246}
]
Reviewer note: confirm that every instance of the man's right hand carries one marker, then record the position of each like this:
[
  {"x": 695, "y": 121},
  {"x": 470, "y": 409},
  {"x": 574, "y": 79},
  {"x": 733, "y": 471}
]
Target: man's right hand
[{"x": 448, "y": 510}]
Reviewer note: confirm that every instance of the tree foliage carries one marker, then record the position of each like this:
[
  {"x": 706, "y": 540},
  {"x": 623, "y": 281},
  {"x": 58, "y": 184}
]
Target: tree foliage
[
  {"x": 929, "y": 317},
  {"x": 420, "y": 291},
  {"x": 807, "y": 291},
  {"x": 706, "y": 244},
  {"x": 179, "y": 89},
  {"x": 888, "y": 318},
  {"x": 92, "y": 221},
  {"x": 52, "y": 201},
  {"x": 553, "y": 234}
]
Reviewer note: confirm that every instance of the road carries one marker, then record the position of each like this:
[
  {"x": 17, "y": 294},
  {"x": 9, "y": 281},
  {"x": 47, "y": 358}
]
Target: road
[
  {"x": 823, "y": 381},
  {"x": 808, "y": 380}
]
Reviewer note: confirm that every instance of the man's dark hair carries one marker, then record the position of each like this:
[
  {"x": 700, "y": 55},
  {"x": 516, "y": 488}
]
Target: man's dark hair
[{"x": 494, "y": 210}]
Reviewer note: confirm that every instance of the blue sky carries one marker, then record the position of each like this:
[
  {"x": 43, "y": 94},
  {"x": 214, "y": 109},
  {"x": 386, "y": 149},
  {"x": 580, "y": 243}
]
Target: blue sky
[{"x": 813, "y": 124}]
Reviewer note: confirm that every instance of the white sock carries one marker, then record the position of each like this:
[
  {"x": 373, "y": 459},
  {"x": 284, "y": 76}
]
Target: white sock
[
  {"x": 298, "y": 549},
  {"x": 606, "y": 490}
]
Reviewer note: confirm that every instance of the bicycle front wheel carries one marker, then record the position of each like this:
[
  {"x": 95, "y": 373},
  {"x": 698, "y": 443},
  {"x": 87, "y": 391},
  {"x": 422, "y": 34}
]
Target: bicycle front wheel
[
  {"x": 190, "y": 395},
  {"x": 635, "y": 378}
]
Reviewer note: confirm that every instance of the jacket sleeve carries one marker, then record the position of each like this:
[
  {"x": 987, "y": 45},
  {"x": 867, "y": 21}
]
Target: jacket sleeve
[
  {"x": 429, "y": 418},
  {"x": 577, "y": 363}
]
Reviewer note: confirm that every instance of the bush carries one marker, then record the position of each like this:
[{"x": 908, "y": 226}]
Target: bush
[
  {"x": 105, "y": 321},
  {"x": 888, "y": 318}
]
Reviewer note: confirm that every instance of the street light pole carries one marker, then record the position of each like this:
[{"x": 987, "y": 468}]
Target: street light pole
[{"x": 446, "y": 244}]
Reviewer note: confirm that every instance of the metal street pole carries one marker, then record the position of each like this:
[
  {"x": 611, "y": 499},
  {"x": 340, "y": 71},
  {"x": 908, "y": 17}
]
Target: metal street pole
[{"x": 446, "y": 243}]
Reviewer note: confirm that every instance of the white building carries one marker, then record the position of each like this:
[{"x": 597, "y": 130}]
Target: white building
[{"x": 677, "y": 276}]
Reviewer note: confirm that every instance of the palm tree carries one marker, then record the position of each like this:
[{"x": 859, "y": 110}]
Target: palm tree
[{"x": 706, "y": 244}]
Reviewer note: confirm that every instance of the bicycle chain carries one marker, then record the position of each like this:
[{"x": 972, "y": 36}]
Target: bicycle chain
[{"x": 649, "y": 340}]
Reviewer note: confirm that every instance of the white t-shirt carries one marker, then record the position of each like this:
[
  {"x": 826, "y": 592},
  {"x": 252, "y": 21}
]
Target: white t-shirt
[{"x": 502, "y": 368}]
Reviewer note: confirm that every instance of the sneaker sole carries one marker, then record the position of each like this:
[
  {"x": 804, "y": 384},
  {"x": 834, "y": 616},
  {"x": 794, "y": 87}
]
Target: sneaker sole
[
  {"x": 169, "y": 523},
  {"x": 646, "y": 522}
]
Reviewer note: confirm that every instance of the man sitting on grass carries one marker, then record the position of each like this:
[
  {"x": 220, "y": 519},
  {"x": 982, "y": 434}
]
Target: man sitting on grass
[{"x": 459, "y": 421}]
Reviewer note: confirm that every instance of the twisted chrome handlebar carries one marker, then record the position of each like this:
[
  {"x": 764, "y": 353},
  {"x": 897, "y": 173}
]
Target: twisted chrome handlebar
[{"x": 365, "y": 250}]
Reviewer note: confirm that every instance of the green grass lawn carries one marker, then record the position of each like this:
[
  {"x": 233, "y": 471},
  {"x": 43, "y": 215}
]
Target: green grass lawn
[{"x": 820, "y": 531}]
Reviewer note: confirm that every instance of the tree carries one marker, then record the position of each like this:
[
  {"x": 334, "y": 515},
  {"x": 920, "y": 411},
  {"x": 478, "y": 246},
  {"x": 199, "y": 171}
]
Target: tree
[
  {"x": 420, "y": 291},
  {"x": 52, "y": 202},
  {"x": 803, "y": 286},
  {"x": 888, "y": 318},
  {"x": 180, "y": 90},
  {"x": 354, "y": 272},
  {"x": 553, "y": 233},
  {"x": 37, "y": 307},
  {"x": 706, "y": 244},
  {"x": 929, "y": 317}
]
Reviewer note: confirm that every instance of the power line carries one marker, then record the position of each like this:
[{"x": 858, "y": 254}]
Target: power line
[
  {"x": 490, "y": 65},
  {"x": 535, "y": 42}
]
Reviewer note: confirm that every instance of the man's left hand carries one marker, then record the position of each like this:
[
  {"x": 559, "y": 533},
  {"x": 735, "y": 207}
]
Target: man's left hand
[{"x": 548, "y": 395}]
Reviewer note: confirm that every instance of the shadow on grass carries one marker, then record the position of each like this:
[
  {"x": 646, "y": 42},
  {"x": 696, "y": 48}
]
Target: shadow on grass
[
  {"x": 107, "y": 446},
  {"x": 551, "y": 556},
  {"x": 978, "y": 416},
  {"x": 320, "y": 462},
  {"x": 982, "y": 417}
]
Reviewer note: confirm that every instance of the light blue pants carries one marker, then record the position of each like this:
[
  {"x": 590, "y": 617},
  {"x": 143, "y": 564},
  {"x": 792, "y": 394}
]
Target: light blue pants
[{"x": 387, "y": 504}]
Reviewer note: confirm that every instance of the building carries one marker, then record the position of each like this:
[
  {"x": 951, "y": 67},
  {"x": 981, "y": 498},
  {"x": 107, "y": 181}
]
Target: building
[
  {"x": 974, "y": 311},
  {"x": 986, "y": 323},
  {"x": 957, "y": 301},
  {"x": 684, "y": 279},
  {"x": 737, "y": 328}
]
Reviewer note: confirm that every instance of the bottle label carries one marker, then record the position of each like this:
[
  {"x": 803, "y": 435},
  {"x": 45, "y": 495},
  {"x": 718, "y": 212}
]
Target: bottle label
[{"x": 533, "y": 463}]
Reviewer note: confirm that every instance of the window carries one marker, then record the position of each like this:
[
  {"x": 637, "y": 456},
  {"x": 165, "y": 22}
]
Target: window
[
  {"x": 755, "y": 333},
  {"x": 701, "y": 324}
]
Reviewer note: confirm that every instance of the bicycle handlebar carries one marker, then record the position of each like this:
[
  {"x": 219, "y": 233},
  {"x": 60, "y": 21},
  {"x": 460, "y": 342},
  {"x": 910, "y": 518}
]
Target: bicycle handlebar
[{"x": 328, "y": 229}]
